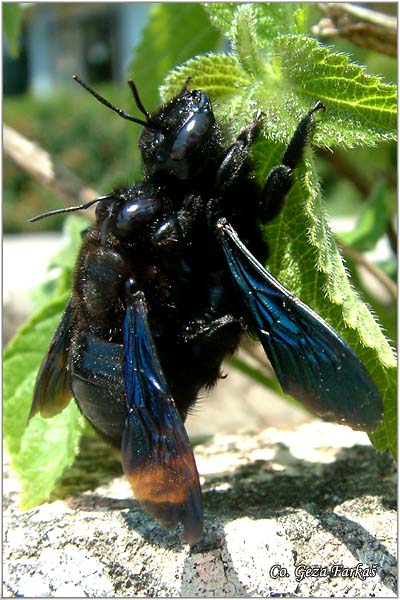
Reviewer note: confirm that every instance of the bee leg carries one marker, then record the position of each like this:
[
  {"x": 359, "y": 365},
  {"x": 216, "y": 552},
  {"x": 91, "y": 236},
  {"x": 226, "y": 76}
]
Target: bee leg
[
  {"x": 176, "y": 231},
  {"x": 280, "y": 178},
  {"x": 237, "y": 154},
  {"x": 209, "y": 342}
]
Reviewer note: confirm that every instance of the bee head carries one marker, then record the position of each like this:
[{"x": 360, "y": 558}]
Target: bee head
[
  {"x": 176, "y": 139},
  {"x": 179, "y": 142}
]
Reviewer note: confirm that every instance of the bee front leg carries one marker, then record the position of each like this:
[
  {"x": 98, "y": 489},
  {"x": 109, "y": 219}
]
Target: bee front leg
[
  {"x": 237, "y": 155},
  {"x": 280, "y": 178},
  {"x": 175, "y": 232}
]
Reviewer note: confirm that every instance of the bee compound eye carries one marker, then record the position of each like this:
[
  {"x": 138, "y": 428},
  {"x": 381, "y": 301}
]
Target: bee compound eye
[
  {"x": 190, "y": 136},
  {"x": 134, "y": 214}
]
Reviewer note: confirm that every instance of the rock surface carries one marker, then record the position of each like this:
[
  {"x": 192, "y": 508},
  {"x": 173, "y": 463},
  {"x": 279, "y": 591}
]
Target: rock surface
[{"x": 276, "y": 503}]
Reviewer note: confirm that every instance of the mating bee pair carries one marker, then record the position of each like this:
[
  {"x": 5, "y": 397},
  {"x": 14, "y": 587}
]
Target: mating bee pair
[{"x": 166, "y": 283}]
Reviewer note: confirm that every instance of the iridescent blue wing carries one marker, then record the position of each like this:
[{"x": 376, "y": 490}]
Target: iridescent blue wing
[
  {"x": 156, "y": 453},
  {"x": 312, "y": 363},
  {"x": 52, "y": 391}
]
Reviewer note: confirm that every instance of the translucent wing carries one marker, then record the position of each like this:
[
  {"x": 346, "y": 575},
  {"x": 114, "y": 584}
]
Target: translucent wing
[
  {"x": 52, "y": 392},
  {"x": 313, "y": 364},
  {"x": 156, "y": 453}
]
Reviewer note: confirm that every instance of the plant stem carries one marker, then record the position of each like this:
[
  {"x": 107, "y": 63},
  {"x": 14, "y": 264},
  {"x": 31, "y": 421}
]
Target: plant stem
[{"x": 32, "y": 159}]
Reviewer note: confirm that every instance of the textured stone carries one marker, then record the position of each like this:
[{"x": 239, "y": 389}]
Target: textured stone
[{"x": 276, "y": 503}]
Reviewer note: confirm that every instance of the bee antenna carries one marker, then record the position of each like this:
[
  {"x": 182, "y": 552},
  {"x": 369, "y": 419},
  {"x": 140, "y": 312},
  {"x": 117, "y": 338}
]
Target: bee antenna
[
  {"x": 138, "y": 101},
  {"x": 119, "y": 111},
  {"x": 59, "y": 211}
]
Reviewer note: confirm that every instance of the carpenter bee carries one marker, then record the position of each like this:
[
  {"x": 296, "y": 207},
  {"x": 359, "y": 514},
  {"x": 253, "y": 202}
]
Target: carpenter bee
[{"x": 167, "y": 281}]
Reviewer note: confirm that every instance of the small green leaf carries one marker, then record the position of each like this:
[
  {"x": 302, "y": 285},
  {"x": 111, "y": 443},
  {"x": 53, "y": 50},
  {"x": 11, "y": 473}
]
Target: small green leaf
[
  {"x": 40, "y": 452},
  {"x": 372, "y": 222},
  {"x": 12, "y": 26},
  {"x": 21, "y": 361},
  {"x": 72, "y": 234},
  {"x": 300, "y": 17},
  {"x": 48, "y": 447},
  {"x": 63, "y": 261},
  {"x": 270, "y": 19},
  {"x": 221, "y": 15},
  {"x": 244, "y": 41},
  {"x": 277, "y": 18},
  {"x": 219, "y": 74}
]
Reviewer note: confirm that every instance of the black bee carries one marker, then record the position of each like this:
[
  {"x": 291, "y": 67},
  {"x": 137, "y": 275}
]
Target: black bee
[{"x": 167, "y": 281}]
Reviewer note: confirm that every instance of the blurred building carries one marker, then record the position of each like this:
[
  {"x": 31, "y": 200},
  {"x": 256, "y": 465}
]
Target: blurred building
[{"x": 94, "y": 40}]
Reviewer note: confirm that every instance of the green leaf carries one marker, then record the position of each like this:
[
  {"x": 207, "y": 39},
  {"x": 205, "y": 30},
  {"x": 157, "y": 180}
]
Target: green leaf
[
  {"x": 269, "y": 19},
  {"x": 40, "y": 452},
  {"x": 305, "y": 259},
  {"x": 385, "y": 314},
  {"x": 21, "y": 361},
  {"x": 276, "y": 18},
  {"x": 72, "y": 233},
  {"x": 372, "y": 222},
  {"x": 63, "y": 261},
  {"x": 360, "y": 109},
  {"x": 219, "y": 74},
  {"x": 12, "y": 26},
  {"x": 221, "y": 15},
  {"x": 245, "y": 41},
  {"x": 48, "y": 448}
]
